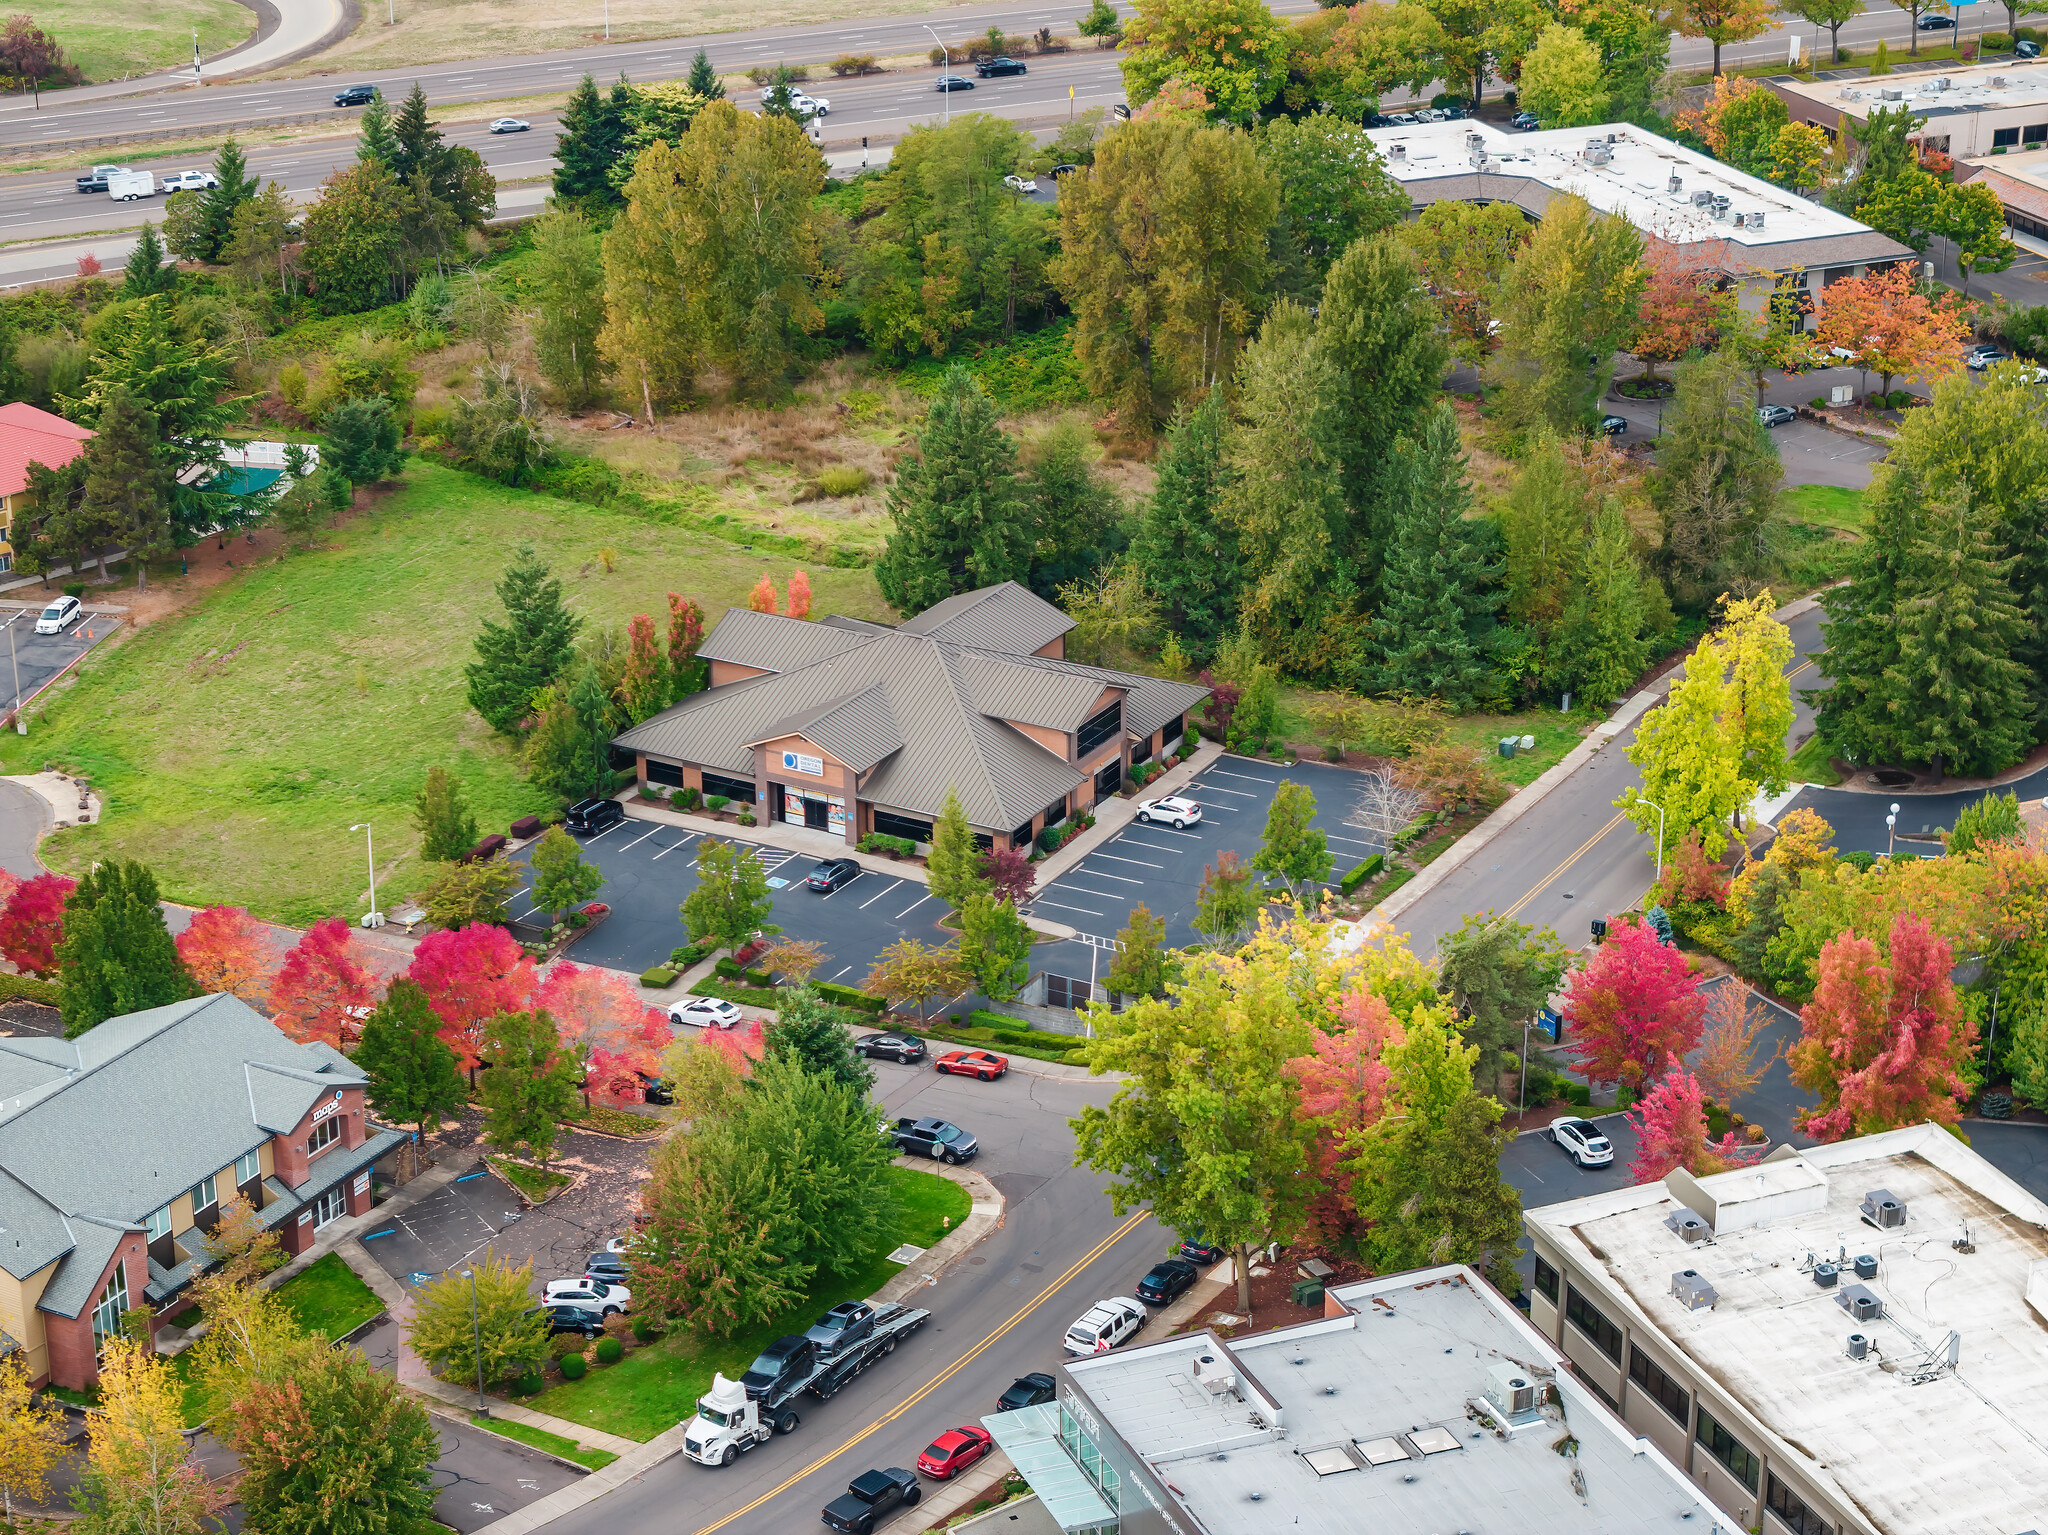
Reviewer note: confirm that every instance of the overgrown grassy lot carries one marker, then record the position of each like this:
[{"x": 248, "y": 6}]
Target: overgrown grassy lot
[
  {"x": 238, "y": 740},
  {"x": 109, "y": 42}
]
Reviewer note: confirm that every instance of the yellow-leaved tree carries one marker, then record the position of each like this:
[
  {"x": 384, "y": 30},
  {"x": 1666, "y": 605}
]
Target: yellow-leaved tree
[
  {"x": 142, "y": 1478},
  {"x": 31, "y": 1437}
]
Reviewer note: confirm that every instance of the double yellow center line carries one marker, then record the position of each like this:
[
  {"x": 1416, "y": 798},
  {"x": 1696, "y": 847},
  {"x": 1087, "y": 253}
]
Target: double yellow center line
[{"x": 939, "y": 1380}]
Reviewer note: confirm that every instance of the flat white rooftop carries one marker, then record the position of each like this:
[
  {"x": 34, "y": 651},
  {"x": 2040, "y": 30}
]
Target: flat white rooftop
[
  {"x": 1923, "y": 1447},
  {"x": 1962, "y": 88},
  {"x": 1631, "y": 176},
  {"x": 1368, "y": 1426}
]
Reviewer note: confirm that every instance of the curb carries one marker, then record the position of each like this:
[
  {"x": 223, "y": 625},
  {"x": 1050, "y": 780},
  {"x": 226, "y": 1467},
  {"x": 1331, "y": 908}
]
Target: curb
[
  {"x": 983, "y": 1216},
  {"x": 448, "y": 1414}
]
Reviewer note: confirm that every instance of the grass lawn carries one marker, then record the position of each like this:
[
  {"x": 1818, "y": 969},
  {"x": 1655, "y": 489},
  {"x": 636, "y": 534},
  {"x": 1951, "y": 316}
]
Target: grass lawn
[
  {"x": 1829, "y": 506},
  {"x": 1810, "y": 764},
  {"x": 110, "y": 42},
  {"x": 328, "y": 1298},
  {"x": 657, "y": 1387},
  {"x": 236, "y": 740},
  {"x": 530, "y": 1181},
  {"x": 1555, "y": 733},
  {"x": 541, "y": 1439}
]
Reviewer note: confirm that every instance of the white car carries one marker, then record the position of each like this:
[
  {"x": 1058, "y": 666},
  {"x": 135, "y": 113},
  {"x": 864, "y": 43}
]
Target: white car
[
  {"x": 1021, "y": 183},
  {"x": 1106, "y": 1324},
  {"x": 510, "y": 125},
  {"x": 1582, "y": 1140},
  {"x": 591, "y": 1294},
  {"x": 190, "y": 181},
  {"x": 1173, "y": 810},
  {"x": 57, "y": 615},
  {"x": 801, "y": 104},
  {"x": 704, "y": 1013}
]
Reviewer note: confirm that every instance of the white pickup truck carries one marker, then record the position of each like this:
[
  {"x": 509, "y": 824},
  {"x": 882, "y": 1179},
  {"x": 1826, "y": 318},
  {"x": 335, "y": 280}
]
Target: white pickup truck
[
  {"x": 190, "y": 181},
  {"x": 126, "y": 186}
]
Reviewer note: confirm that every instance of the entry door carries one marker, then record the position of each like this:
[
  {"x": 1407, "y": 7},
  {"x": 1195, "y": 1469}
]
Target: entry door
[
  {"x": 774, "y": 801},
  {"x": 817, "y": 814}
]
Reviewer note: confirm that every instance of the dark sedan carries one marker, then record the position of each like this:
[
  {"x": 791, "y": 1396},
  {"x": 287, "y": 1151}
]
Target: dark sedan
[
  {"x": 1028, "y": 1391},
  {"x": 988, "y": 69},
  {"x": 1196, "y": 1251},
  {"x": 831, "y": 874},
  {"x": 894, "y": 1045},
  {"x": 953, "y": 83},
  {"x": 570, "y": 1319},
  {"x": 1169, "y": 1278},
  {"x": 1613, "y": 426},
  {"x": 935, "y": 1138}
]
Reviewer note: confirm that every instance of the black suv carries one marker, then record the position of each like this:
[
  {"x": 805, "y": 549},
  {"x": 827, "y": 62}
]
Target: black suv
[
  {"x": 988, "y": 69},
  {"x": 870, "y": 1497},
  {"x": 588, "y": 815},
  {"x": 935, "y": 1138},
  {"x": 895, "y": 1045},
  {"x": 785, "y": 1361},
  {"x": 356, "y": 96}
]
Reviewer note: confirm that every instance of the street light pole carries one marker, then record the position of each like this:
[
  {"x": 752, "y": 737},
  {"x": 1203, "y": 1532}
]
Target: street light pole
[
  {"x": 373, "y": 919},
  {"x": 483, "y": 1408},
  {"x": 1891, "y": 830},
  {"x": 1522, "y": 1087},
  {"x": 20, "y": 724},
  {"x": 1642, "y": 799},
  {"x": 945, "y": 68}
]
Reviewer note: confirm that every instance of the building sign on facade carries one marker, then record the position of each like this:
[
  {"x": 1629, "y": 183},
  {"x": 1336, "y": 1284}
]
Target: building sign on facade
[
  {"x": 326, "y": 1108},
  {"x": 797, "y": 762}
]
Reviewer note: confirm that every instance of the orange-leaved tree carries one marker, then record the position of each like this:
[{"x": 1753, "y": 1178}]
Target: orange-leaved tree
[
  {"x": 1680, "y": 306},
  {"x": 762, "y": 598},
  {"x": 325, "y": 987},
  {"x": 1888, "y": 325},
  {"x": 226, "y": 949}
]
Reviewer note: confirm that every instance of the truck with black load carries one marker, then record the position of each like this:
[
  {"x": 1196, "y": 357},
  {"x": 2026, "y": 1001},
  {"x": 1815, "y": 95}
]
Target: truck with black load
[{"x": 736, "y": 1415}]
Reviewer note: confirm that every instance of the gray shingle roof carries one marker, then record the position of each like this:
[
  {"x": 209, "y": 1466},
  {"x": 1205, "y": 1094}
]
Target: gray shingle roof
[
  {"x": 775, "y": 643},
  {"x": 1005, "y": 617},
  {"x": 152, "y": 1103},
  {"x": 75, "y": 1284}
]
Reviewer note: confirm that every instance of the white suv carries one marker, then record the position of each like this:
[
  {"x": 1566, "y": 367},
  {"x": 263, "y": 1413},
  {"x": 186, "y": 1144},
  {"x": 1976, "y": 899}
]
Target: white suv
[
  {"x": 1582, "y": 1140},
  {"x": 1107, "y": 1324},
  {"x": 1173, "y": 810}
]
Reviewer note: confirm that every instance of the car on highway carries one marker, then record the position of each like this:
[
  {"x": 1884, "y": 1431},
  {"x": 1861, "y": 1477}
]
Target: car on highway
[
  {"x": 1775, "y": 415},
  {"x": 1583, "y": 1141},
  {"x": 580, "y": 1320},
  {"x": 893, "y": 1044},
  {"x": 593, "y": 1294},
  {"x": 356, "y": 95},
  {"x": 988, "y": 69},
  {"x": 954, "y": 1451},
  {"x": 1524, "y": 122},
  {"x": 95, "y": 180},
  {"x": 1173, "y": 810},
  {"x": 1018, "y": 183},
  {"x": 870, "y": 1497},
  {"x": 190, "y": 181},
  {"x": 952, "y": 83},
  {"x": 593, "y": 815},
  {"x": 841, "y": 1327},
  {"x": 1028, "y": 1391},
  {"x": 510, "y": 125},
  {"x": 1196, "y": 1251},
  {"x": 59, "y": 615},
  {"x": 831, "y": 874},
  {"x": 1979, "y": 358},
  {"x": 1935, "y": 23},
  {"x": 1166, "y": 1280},
  {"x": 1104, "y": 1325},
  {"x": 985, "y": 1064},
  {"x": 704, "y": 1013},
  {"x": 939, "y": 1139},
  {"x": 803, "y": 105},
  {"x": 1613, "y": 426}
]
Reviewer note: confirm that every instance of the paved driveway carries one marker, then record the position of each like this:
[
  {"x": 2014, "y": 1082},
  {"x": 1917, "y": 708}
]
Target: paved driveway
[{"x": 33, "y": 659}]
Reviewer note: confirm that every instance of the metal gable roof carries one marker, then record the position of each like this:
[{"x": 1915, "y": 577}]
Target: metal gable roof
[
  {"x": 1029, "y": 695},
  {"x": 775, "y": 643},
  {"x": 1149, "y": 702},
  {"x": 1005, "y": 617},
  {"x": 860, "y": 731}
]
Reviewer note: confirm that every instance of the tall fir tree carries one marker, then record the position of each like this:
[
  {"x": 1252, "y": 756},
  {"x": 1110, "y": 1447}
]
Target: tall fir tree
[
  {"x": 373, "y": 134},
  {"x": 517, "y": 658},
  {"x": 124, "y": 480},
  {"x": 117, "y": 956},
  {"x": 961, "y": 518},
  {"x": 704, "y": 79},
  {"x": 1432, "y": 632},
  {"x": 414, "y": 1078},
  {"x": 217, "y": 204},
  {"x": 593, "y": 136},
  {"x": 1187, "y": 552},
  {"x": 1861, "y": 618},
  {"x": 150, "y": 267},
  {"x": 416, "y": 144},
  {"x": 442, "y": 816},
  {"x": 1601, "y": 646},
  {"x": 954, "y": 864}
]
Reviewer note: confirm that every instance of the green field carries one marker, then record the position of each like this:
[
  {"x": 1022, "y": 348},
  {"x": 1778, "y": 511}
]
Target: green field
[
  {"x": 238, "y": 740},
  {"x": 655, "y": 1388},
  {"x": 112, "y": 42},
  {"x": 1827, "y": 506},
  {"x": 328, "y": 1298}
]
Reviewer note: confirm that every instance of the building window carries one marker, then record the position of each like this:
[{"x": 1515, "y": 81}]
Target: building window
[
  {"x": 106, "y": 1316},
  {"x": 1056, "y": 812},
  {"x": 6, "y": 560},
  {"x": 248, "y": 1168},
  {"x": 2036, "y": 134},
  {"x": 1604, "y": 1335},
  {"x": 2001, "y": 137},
  {"x": 741, "y": 789},
  {"x": 1546, "y": 1281},
  {"x": 1727, "y": 1449},
  {"x": 325, "y": 1134},
  {"x": 1021, "y": 837},
  {"x": 1110, "y": 779},
  {"x": 889, "y": 824},
  {"x": 204, "y": 1196},
  {"x": 1792, "y": 1512},
  {"x": 330, "y": 1204},
  {"x": 665, "y": 772},
  {"x": 1105, "y": 726},
  {"x": 1646, "y": 1373},
  {"x": 158, "y": 1223}
]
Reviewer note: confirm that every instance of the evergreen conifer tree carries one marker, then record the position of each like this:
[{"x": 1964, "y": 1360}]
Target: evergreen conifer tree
[
  {"x": 1187, "y": 553},
  {"x": 150, "y": 268},
  {"x": 413, "y": 1075},
  {"x": 217, "y": 205},
  {"x": 117, "y": 956},
  {"x": 363, "y": 438},
  {"x": 124, "y": 482},
  {"x": 416, "y": 143},
  {"x": 593, "y": 134},
  {"x": 373, "y": 130},
  {"x": 961, "y": 518},
  {"x": 517, "y": 658},
  {"x": 1601, "y": 648},
  {"x": 704, "y": 79},
  {"x": 443, "y": 818},
  {"x": 812, "y": 1032},
  {"x": 1443, "y": 576},
  {"x": 954, "y": 864},
  {"x": 1862, "y": 615}
]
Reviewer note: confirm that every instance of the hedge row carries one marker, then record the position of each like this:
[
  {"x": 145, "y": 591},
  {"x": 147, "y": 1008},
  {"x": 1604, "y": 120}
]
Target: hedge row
[
  {"x": 1362, "y": 873},
  {"x": 27, "y": 988},
  {"x": 850, "y": 996}
]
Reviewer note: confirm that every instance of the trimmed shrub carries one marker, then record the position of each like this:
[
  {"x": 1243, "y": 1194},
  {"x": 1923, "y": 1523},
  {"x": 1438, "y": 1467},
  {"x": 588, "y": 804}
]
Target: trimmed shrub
[
  {"x": 688, "y": 798},
  {"x": 1578, "y": 1095},
  {"x": 848, "y": 996},
  {"x": 574, "y": 1366},
  {"x": 564, "y": 1343},
  {"x": 746, "y": 818},
  {"x": 1362, "y": 872},
  {"x": 644, "y": 1331},
  {"x": 1997, "y": 42},
  {"x": 882, "y": 842},
  {"x": 658, "y": 977},
  {"x": 1899, "y": 399},
  {"x": 610, "y": 1350},
  {"x": 528, "y": 1384},
  {"x": 716, "y": 802},
  {"x": 1996, "y": 1106},
  {"x": 727, "y": 970},
  {"x": 853, "y": 64}
]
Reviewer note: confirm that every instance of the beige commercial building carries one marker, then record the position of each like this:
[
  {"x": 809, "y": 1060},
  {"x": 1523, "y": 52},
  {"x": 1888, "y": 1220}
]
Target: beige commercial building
[
  {"x": 1963, "y": 110},
  {"x": 1848, "y": 1338}
]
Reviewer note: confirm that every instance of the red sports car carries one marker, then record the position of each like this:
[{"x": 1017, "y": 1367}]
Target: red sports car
[
  {"x": 985, "y": 1064},
  {"x": 955, "y": 1450}
]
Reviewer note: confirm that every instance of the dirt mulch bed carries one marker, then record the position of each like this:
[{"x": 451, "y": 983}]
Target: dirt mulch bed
[{"x": 1271, "y": 1306}]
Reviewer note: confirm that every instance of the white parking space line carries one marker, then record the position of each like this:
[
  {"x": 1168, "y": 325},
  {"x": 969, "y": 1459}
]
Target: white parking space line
[
  {"x": 1210, "y": 788},
  {"x": 687, "y": 840},
  {"x": 642, "y": 837},
  {"x": 1157, "y": 847},
  {"x": 913, "y": 906},
  {"x": 1098, "y": 895},
  {"x": 603, "y": 834},
  {"x": 1247, "y": 777},
  {"x": 1121, "y": 879},
  {"x": 1354, "y": 841},
  {"x": 864, "y": 905},
  {"x": 838, "y": 973},
  {"x": 1143, "y": 863},
  {"x": 1059, "y": 906}
]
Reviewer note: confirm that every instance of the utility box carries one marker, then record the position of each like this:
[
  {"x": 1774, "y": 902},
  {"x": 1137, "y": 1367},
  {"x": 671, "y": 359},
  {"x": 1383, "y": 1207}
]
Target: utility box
[
  {"x": 1842, "y": 394},
  {"x": 1306, "y": 1292}
]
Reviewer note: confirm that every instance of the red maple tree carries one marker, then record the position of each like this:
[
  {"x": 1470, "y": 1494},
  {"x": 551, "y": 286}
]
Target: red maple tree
[
  {"x": 1010, "y": 873},
  {"x": 1343, "y": 1088},
  {"x": 643, "y": 685},
  {"x": 227, "y": 950},
  {"x": 32, "y": 923},
  {"x": 762, "y": 598},
  {"x": 471, "y": 975},
  {"x": 799, "y": 596},
  {"x": 1680, "y": 306},
  {"x": 606, "y": 1026},
  {"x": 685, "y": 634},
  {"x": 1692, "y": 876},
  {"x": 1634, "y": 1007},
  {"x": 324, "y": 988},
  {"x": 1671, "y": 1130},
  {"x": 1882, "y": 1044},
  {"x": 742, "y": 1046}
]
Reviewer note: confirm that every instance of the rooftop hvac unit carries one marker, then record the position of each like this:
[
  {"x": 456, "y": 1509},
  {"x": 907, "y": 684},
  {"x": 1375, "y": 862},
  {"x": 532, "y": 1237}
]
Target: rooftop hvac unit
[
  {"x": 1688, "y": 1226},
  {"x": 1859, "y": 1346},
  {"x": 1213, "y": 1376},
  {"x": 1941, "y": 82},
  {"x": 1891, "y": 93},
  {"x": 1677, "y": 184},
  {"x": 1825, "y": 1275},
  {"x": 1703, "y": 199},
  {"x": 1398, "y": 152},
  {"x": 1866, "y": 1266},
  {"x": 1860, "y": 1303},
  {"x": 1510, "y": 1389},
  {"x": 1598, "y": 154},
  {"x": 1693, "y": 1291},
  {"x": 1884, "y": 1209},
  {"x": 1756, "y": 221},
  {"x": 1475, "y": 140},
  {"x": 1997, "y": 82},
  {"x": 1741, "y": 220}
]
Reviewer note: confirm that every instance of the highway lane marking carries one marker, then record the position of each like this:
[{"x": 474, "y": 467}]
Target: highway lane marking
[
  {"x": 939, "y": 1380},
  {"x": 1538, "y": 888},
  {"x": 864, "y": 905}
]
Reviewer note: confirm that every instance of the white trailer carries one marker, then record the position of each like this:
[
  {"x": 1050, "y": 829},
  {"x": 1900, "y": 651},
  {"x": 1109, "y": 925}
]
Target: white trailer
[{"x": 126, "y": 186}]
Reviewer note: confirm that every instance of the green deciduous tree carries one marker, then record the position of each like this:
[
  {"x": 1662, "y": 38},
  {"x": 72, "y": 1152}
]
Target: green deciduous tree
[
  {"x": 1562, "y": 81},
  {"x": 912, "y": 971},
  {"x": 499, "y": 430},
  {"x": 413, "y": 1076},
  {"x": 1634, "y": 39},
  {"x": 1294, "y": 849},
  {"x": 960, "y": 517},
  {"x": 731, "y": 902},
  {"x": 568, "y": 288},
  {"x": 1187, "y": 552},
  {"x": 508, "y": 1333},
  {"x": 1334, "y": 190},
  {"x": 995, "y": 946},
  {"x": 1498, "y": 973},
  {"x": 1142, "y": 964},
  {"x": 1603, "y": 636},
  {"x": 1226, "y": 905},
  {"x": 117, "y": 956},
  {"x": 1464, "y": 252},
  {"x": 442, "y": 816},
  {"x": 531, "y": 649},
  {"x": 1826, "y": 13},
  {"x": 471, "y": 892},
  {"x": 1234, "y": 51},
  {"x": 561, "y": 878},
  {"x": 1994, "y": 818},
  {"x": 649, "y": 336},
  {"x": 1207, "y": 1128},
  {"x": 1690, "y": 753},
  {"x": 533, "y": 1083},
  {"x": 1716, "y": 485},
  {"x": 352, "y": 239}
]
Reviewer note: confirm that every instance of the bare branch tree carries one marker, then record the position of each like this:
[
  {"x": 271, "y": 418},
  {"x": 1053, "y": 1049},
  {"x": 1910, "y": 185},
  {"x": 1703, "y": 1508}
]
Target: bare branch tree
[{"x": 1386, "y": 806}]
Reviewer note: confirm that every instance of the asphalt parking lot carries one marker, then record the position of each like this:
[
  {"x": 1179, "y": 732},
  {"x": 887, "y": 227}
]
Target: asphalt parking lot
[{"x": 36, "y": 658}]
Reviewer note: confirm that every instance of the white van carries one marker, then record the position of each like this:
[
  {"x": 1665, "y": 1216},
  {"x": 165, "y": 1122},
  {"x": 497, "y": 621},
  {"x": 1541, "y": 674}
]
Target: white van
[
  {"x": 58, "y": 615},
  {"x": 126, "y": 186}
]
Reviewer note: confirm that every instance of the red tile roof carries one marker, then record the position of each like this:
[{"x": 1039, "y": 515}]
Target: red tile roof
[{"x": 31, "y": 436}]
